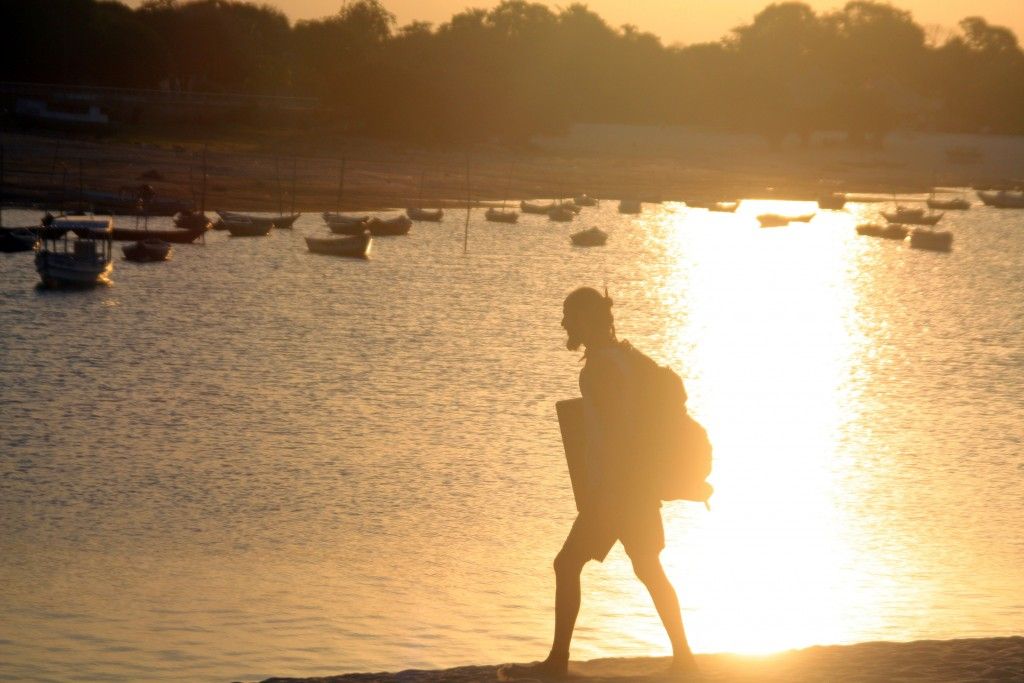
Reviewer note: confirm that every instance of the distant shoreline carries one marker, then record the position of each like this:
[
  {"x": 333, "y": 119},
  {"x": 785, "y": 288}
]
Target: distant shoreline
[
  {"x": 649, "y": 163},
  {"x": 960, "y": 660}
]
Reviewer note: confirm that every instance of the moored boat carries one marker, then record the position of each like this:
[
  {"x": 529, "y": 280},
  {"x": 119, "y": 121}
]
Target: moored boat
[
  {"x": 17, "y": 239},
  {"x": 773, "y": 220},
  {"x": 1003, "y": 199},
  {"x": 420, "y": 214},
  {"x": 192, "y": 220},
  {"x": 531, "y": 207},
  {"x": 892, "y": 231},
  {"x": 286, "y": 220},
  {"x": 933, "y": 240},
  {"x": 147, "y": 251},
  {"x": 501, "y": 215},
  {"x": 832, "y": 201},
  {"x": 584, "y": 200},
  {"x": 236, "y": 217},
  {"x": 591, "y": 237},
  {"x": 561, "y": 214},
  {"x": 378, "y": 227},
  {"x": 724, "y": 207},
  {"x": 82, "y": 262},
  {"x": 244, "y": 228},
  {"x": 908, "y": 216},
  {"x": 355, "y": 246},
  {"x": 954, "y": 204}
]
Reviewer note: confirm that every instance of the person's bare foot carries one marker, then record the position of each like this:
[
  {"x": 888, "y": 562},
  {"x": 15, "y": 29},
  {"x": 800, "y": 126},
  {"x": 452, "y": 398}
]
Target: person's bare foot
[
  {"x": 550, "y": 668},
  {"x": 682, "y": 666}
]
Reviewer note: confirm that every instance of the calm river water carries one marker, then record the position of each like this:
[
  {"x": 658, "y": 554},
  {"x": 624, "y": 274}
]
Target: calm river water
[{"x": 255, "y": 461}]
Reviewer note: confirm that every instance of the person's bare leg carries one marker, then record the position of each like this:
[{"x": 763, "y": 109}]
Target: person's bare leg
[
  {"x": 652, "y": 574},
  {"x": 567, "y": 608}
]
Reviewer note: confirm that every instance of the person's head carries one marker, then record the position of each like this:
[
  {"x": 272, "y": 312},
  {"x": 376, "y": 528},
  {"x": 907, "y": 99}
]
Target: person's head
[{"x": 587, "y": 318}]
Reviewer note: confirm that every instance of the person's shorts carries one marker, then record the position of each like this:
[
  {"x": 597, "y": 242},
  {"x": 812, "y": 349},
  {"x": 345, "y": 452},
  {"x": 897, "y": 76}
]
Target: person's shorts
[{"x": 595, "y": 531}]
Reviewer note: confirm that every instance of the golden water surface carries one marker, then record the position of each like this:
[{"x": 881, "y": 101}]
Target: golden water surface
[{"x": 254, "y": 461}]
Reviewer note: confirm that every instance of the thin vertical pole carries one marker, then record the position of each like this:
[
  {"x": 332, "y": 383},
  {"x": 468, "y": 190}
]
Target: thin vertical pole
[
  {"x": 294, "y": 164},
  {"x": 1, "y": 186},
  {"x": 341, "y": 183},
  {"x": 277, "y": 178},
  {"x": 469, "y": 203}
]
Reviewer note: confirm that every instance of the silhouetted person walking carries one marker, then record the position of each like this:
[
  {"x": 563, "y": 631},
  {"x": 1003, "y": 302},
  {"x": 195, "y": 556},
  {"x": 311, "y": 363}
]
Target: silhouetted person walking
[{"x": 615, "y": 506}]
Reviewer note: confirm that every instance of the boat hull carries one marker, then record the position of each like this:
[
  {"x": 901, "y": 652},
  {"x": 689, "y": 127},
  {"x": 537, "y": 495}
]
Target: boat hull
[
  {"x": 593, "y": 237},
  {"x": 498, "y": 216},
  {"x": 65, "y": 270},
  {"x": 1002, "y": 200},
  {"x": 932, "y": 240},
  {"x": 433, "y": 215},
  {"x": 911, "y": 218},
  {"x": 357, "y": 246},
  {"x": 377, "y": 227},
  {"x": 147, "y": 251},
  {"x": 177, "y": 236},
  {"x": 17, "y": 239},
  {"x": 249, "y": 229}
]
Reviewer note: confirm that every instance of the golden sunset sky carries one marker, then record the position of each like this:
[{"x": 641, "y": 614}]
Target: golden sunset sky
[{"x": 681, "y": 21}]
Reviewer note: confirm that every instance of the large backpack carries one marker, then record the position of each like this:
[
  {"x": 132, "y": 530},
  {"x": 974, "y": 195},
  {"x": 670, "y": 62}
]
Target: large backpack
[{"x": 673, "y": 449}]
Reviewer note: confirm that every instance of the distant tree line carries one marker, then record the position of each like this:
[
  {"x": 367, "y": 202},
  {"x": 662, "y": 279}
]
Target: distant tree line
[{"x": 522, "y": 68}]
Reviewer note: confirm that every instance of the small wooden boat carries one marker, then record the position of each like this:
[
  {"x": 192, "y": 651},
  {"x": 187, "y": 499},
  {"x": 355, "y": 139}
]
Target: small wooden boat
[
  {"x": 175, "y": 235},
  {"x": 82, "y": 262},
  {"x": 561, "y": 214},
  {"x": 773, "y": 220},
  {"x": 833, "y": 201},
  {"x": 630, "y": 206},
  {"x": 348, "y": 227},
  {"x": 908, "y": 216},
  {"x": 591, "y": 237},
  {"x": 234, "y": 217},
  {"x": 192, "y": 220},
  {"x": 530, "y": 207},
  {"x": 335, "y": 217},
  {"x": 584, "y": 200},
  {"x": 934, "y": 240},
  {"x": 355, "y": 246},
  {"x": 244, "y": 228},
  {"x": 286, "y": 221},
  {"x": 418, "y": 214},
  {"x": 870, "y": 229},
  {"x": 378, "y": 227},
  {"x": 892, "y": 231},
  {"x": 386, "y": 227},
  {"x": 1003, "y": 199},
  {"x": 147, "y": 251},
  {"x": 724, "y": 207},
  {"x": 501, "y": 215},
  {"x": 17, "y": 239},
  {"x": 954, "y": 204}
]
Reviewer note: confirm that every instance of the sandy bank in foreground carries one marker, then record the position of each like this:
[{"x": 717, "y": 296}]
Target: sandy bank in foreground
[{"x": 976, "y": 659}]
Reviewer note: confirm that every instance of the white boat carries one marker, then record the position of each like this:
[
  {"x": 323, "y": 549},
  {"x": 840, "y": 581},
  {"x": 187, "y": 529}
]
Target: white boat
[{"x": 82, "y": 262}]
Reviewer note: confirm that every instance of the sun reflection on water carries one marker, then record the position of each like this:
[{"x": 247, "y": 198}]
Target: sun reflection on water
[{"x": 767, "y": 334}]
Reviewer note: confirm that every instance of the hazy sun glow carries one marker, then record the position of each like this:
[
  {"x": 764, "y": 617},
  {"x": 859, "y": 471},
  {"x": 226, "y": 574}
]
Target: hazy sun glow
[
  {"x": 683, "y": 21},
  {"x": 771, "y": 383}
]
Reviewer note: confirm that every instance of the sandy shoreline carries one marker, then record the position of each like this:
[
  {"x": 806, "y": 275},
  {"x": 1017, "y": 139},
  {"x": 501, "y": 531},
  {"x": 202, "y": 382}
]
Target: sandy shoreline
[
  {"x": 973, "y": 659},
  {"x": 608, "y": 162}
]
